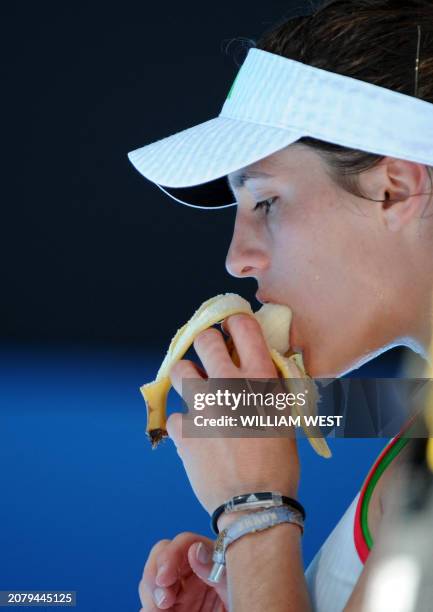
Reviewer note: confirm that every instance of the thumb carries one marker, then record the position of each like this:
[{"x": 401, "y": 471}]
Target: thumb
[{"x": 200, "y": 560}]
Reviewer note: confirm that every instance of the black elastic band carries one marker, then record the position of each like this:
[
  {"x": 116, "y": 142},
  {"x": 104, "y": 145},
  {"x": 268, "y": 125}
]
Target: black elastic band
[{"x": 288, "y": 501}]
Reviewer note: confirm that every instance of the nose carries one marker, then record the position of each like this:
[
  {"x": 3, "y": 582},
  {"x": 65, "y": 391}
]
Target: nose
[{"x": 247, "y": 254}]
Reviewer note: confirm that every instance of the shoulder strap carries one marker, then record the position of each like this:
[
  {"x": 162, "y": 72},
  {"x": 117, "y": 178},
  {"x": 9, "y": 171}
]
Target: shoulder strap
[{"x": 362, "y": 535}]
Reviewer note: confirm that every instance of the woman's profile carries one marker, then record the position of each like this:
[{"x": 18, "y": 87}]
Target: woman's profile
[{"x": 325, "y": 146}]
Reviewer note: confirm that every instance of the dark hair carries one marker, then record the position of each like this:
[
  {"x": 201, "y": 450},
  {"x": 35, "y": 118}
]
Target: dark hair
[{"x": 370, "y": 40}]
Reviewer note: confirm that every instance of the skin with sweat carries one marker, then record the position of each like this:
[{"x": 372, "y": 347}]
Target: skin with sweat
[{"x": 356, "y": 273}]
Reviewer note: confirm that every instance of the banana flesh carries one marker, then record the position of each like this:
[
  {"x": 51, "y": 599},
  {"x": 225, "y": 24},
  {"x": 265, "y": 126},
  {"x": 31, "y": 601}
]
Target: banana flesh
[{"x": 275, "y": 320}]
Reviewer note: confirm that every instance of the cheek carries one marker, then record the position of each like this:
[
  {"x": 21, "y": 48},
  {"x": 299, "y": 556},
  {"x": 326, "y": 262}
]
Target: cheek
[
  {"x": 306, "y": 259},
  {"x": 317, "y": 247},
  {"x": 315, "y": 274}
]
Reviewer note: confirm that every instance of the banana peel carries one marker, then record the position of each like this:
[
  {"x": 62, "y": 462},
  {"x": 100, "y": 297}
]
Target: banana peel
[{"x": 275, "y": 320}]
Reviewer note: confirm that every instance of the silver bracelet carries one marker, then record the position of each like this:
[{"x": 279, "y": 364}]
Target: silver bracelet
[
  {"x": 255, "y": 521},
  {"x": 260, "y": 499}
]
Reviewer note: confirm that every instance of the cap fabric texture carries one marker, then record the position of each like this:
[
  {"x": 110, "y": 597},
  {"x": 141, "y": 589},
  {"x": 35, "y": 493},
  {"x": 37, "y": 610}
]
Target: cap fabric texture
[{"x": 273, "y": 102}]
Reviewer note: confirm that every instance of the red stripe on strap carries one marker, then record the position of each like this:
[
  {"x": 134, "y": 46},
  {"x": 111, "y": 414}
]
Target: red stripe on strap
[{"x": 358, "y": 534}]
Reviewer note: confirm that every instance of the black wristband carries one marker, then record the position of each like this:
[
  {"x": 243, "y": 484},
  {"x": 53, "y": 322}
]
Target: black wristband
[{"x": 238, "y": 499}]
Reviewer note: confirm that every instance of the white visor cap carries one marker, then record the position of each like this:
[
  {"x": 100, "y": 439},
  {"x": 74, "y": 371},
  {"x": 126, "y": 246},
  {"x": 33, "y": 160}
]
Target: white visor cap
[{"x": 273, "y": 102}]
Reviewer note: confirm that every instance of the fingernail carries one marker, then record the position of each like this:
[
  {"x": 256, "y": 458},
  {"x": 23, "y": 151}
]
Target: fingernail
[
  {"x": 202, "y": 553},
  {"x": 161, "y": 571},
  {"x": 159, "y": 596}
]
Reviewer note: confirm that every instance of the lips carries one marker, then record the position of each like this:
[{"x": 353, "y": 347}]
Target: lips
[{"x": 262, "y": 299}]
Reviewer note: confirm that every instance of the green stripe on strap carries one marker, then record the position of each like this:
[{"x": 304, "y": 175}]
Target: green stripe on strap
[{"x": 384, "y": 463}]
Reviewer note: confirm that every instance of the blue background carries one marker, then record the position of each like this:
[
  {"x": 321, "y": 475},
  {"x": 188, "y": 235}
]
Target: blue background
[{"x": 83, "y": 496}]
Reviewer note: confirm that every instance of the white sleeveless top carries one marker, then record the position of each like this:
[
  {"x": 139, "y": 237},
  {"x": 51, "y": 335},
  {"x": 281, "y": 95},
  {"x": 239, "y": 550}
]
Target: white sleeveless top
[{"x": 335, "y": 569}]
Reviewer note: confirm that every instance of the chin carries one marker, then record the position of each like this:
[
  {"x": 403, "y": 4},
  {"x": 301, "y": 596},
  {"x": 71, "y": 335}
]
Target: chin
[{"x": 319, "y": 366}]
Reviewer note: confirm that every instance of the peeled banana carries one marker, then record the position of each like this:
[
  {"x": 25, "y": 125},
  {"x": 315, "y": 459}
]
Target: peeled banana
[{"x": 275, "y": 320}]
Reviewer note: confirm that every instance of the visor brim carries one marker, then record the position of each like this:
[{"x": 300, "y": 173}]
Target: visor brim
[{"x": 201, "y": 157}]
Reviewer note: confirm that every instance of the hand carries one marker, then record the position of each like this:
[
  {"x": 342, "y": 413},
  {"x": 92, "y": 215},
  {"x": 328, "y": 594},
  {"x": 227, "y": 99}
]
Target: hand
[
  {"x": 221, "y": 467},
  {"x": 182, "y": 578}
]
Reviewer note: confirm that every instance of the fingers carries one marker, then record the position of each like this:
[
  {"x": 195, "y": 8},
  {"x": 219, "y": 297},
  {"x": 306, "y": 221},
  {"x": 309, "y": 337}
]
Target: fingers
[
  {"x": 180, "y": 370},
  {"x": 151, "y": 597},
  {"x": 174, "y": 559},
  {"x": 173, "y": 426},
  {"x": 147, "y": 602},
  {"x": 250, "y": 344},
  {"x": 212, "y": 350},
  {"x": 200, "y": 560},
  {"x": 184, "y": 369},
  {"x": 167, "y": 563}
]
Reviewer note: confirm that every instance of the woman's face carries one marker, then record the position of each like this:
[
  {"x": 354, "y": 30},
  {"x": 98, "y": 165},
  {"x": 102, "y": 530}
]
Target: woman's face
[{"x": 326, "y": 254}]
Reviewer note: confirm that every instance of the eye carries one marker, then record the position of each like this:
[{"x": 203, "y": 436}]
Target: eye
[{"x": 265, "y": 204}]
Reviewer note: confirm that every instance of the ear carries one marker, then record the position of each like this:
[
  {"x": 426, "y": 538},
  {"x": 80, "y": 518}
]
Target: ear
[{"x": 405, "y": 187}]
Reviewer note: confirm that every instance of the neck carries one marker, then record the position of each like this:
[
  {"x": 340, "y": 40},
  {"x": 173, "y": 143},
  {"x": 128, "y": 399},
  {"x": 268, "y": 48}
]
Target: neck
[{"x": 420, "y": 327}]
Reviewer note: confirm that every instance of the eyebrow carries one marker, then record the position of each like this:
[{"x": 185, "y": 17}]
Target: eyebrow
[{"x": 241, "y": 178}]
